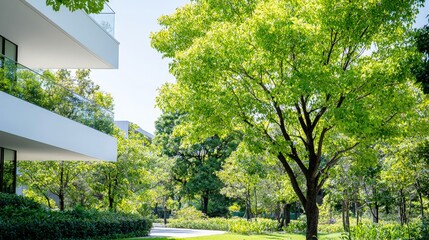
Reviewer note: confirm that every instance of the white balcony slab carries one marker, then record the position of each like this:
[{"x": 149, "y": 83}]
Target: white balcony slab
[
  {"x": 38, "y": 134},
  {"x": 50, "y": 40}
]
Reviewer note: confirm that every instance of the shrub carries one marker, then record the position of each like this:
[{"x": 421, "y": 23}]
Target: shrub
[
  {"x": 15, "y": 201},
  {"x": 189, "y": 213},
  {"x": 31, "y": 222},
  {"x": 296, "y": 226},
  {"x": 384, "y": 231},
  {"x": 236, "y": 225},
  {"x": 331, "y": 227}
]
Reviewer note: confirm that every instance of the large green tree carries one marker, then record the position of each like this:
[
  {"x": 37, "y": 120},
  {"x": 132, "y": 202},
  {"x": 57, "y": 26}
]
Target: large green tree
[{"x": 301, "y": 79}]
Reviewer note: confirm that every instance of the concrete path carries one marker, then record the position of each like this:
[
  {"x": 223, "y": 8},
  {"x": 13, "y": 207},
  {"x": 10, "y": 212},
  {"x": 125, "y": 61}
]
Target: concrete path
[{"x": 181, "y": 232}]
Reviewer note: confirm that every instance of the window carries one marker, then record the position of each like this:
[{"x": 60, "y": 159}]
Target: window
[
  {"x": 8, "y": 49},
  {"x": 7, "y": 170},
  {"x": 8, "y": 59}
]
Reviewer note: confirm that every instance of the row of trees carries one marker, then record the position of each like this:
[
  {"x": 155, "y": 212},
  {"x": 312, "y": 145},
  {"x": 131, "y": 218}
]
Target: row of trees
[
  {"x": 223, "y": 174},
  {"x": 280, "y": 101},
  {"x": 309, "y": 82}
]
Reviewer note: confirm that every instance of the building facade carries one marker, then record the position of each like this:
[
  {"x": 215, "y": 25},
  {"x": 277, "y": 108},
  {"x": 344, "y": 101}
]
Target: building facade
[{"x": 33, "y": 36}]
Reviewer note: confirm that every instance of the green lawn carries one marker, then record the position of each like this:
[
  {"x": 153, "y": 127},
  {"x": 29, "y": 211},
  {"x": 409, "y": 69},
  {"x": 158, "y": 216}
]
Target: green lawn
[{"x": 232, "y": 236}]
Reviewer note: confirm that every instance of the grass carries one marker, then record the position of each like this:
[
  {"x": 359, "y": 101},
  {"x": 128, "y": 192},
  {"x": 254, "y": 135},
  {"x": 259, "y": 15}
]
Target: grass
[{"x": 232, "y": 236}]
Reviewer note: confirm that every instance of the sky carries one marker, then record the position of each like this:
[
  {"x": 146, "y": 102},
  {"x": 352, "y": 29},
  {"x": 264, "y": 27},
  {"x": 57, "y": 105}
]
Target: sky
[{"x": 141, "y": 69}]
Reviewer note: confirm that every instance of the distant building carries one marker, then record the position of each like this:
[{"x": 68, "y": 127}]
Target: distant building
[{"x": 125, "y": 126}]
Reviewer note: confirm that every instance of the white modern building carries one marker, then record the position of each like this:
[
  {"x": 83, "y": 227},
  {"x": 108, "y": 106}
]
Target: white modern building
[
  {"x": 33, "y": 36},
  {"x": 125, "y": 127}
]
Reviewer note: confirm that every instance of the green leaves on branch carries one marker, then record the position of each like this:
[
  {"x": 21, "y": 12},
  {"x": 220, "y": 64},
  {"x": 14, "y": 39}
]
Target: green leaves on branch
[{"x": 89, "y": 6}]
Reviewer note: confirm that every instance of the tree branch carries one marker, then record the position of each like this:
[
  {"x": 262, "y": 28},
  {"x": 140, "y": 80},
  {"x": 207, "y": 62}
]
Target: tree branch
[
  {"x": 292, "y": 178},
  {"x": 336, "y": 157}
]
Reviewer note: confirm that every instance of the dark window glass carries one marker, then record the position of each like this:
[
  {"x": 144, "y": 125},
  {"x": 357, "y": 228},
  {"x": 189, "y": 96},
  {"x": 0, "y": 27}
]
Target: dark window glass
[
  {"x": 10, "y": 50},
  {"x": 8, "y": 182}
]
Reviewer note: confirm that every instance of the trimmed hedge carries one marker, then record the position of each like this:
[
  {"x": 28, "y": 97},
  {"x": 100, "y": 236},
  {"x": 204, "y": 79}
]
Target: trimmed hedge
[{"x": 19, "y": 221}]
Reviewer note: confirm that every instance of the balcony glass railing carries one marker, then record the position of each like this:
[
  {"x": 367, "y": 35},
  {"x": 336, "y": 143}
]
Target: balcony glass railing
[
  {"x": 42, "y": 90},
  {"x": 106, "y": 19}
]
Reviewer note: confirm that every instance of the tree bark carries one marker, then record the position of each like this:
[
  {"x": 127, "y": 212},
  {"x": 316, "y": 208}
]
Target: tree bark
[
  {"x": 345, "y": 215},
  {"x": 278, "y": 215},
  {"x": 357, "y": 212},
  {"x": 248, "y": 206},
  {"x": 256, "y": 203},
  {"x": 402, "y": 208},
  {"x": 286, "y": 213},
  {"x": 61, "y": 190},
  {"x": 205, "y": 200},
  {"x": 375, "y": 213},
  {"x": 417, "y": 185},
  {"x": 165, "y": 213},
  {"x": 422, "y": 212},
  {"x": 311, "y": 210}
]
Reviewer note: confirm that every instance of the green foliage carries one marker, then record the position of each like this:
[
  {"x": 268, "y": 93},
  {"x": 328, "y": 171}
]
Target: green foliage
[
  {"x": 236, "y": 225},
  {"x": 310, "y": 82},
  {"x": 296, "y": 226},
  {"x": 89, "y": 6},
  {"x": 209, "y": 224},
  {"x": 38, "y": 223},
  {"x": 76, "y": 98},
  {"x": 257, "y": 226},
  {"x": 17, "y": 202},
  {"x": 189, "y": 213},
  {"x": 422, "y": 65},
  {"x": 195, "y": 165},
  {"x": 384, "y": 231}
]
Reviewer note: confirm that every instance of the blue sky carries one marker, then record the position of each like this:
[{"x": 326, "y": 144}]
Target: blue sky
[{"x": 141, "y": 69}]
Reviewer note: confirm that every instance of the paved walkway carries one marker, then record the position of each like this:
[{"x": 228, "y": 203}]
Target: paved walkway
[{"x": 181, "y": 232}]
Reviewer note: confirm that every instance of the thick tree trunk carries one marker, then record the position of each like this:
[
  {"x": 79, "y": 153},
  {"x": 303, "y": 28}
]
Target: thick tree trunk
[
  {"x": 357, "y": 212},
  {"x": 285, "y": 216},
  {"x": 180, "y": 203},
  {"x": 402, "y": 208},
  {"x": 375, "y": 217},
  {"x": 256, "y": 203},
  {"x": 278, "y": 215},
  {"x": 286, "y": 213},
  {"x": 374, "y": 212},
  {"x": 61, "y": 192},
  {"x": 418, "y": 188},
  {"x": 111, "y": 203},
  {"x": 345, "y": 215},
  {"x": 311, "y": 210},
  {"x": 248, "y": 206},
  {"x": 155, "y": 211},
  {"x": 165, "y": 213},
  {"x": 205, "y": 201}
]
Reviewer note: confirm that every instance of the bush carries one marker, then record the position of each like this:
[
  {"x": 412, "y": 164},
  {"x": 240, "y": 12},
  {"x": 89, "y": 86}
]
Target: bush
[
  {"x": 384, "y": 231},
  {"x": 236, "y": 225},
  {"x": 189, "y": 213},
  {"x": 31, "y": 222},
  {"x": 12, "y": 200},
  {"x": 331, "y": 227},
  {"x": 296, "y": 226}
]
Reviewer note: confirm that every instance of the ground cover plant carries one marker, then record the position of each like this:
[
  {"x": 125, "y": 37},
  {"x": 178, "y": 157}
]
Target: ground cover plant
[{"x": 22, "y": 218}]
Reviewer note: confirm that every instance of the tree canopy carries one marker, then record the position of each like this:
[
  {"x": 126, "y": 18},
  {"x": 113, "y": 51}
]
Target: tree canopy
[
  {"x": 309, "y": 81},
  {"x": 89, "y": 6}
]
